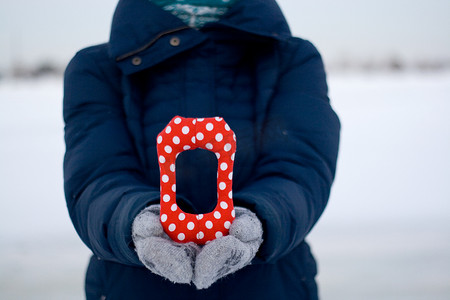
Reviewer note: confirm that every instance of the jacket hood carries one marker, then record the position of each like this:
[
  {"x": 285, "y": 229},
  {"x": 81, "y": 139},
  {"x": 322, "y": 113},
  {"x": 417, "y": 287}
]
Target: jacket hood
[{"x": 138, "y": 24}]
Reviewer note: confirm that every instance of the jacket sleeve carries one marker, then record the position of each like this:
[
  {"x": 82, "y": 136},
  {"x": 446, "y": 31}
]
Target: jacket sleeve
[
  {"x": 298, "y": 152},
  {"x": 103, "y": 178}
]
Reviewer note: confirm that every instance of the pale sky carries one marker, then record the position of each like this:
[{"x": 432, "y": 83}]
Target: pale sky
[{"x": 54, "y": 30}]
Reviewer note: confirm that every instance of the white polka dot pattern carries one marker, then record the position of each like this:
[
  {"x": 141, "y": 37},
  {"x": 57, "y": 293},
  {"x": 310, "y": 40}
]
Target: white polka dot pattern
[{"x": 183, "y": 134}]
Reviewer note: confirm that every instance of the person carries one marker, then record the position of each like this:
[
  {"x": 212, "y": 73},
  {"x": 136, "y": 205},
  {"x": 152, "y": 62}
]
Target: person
[{"x": 235, "y": 59}]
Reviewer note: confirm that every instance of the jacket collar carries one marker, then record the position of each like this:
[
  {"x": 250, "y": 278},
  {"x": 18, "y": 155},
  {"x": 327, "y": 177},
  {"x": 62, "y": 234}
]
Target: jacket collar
[
  {"x": 259, "y": 17},
  {"x": 141, "y": 32}
]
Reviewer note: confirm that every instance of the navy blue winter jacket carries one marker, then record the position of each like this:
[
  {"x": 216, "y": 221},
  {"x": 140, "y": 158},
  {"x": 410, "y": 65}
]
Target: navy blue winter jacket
[{"x": 270, "y": 88}]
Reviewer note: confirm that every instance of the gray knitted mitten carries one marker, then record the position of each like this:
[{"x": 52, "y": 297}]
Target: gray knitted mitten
[
  {"x": 158, "y": 252},
  {"x": 228, "y": 254}
]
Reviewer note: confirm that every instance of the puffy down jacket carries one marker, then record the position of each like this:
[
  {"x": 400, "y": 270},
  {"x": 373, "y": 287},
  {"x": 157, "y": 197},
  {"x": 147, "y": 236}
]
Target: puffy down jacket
[{"x": 247, "y": 68}]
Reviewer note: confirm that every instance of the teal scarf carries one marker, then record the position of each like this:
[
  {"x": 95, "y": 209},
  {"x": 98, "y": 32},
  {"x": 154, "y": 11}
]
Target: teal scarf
[{"x": 196, "y": 13}]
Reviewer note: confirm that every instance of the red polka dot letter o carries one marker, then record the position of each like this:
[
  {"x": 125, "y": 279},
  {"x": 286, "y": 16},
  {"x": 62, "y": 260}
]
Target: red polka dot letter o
[{"x": 183, "y": 134}]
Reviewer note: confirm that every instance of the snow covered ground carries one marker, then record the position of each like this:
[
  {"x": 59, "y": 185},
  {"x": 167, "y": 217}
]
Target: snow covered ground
[
  {"x": 386, "y": 231},
  {"x": 384, "y": 235}
]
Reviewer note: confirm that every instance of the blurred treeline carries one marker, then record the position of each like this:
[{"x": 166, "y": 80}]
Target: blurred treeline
[{"x": 390, "y": 64}]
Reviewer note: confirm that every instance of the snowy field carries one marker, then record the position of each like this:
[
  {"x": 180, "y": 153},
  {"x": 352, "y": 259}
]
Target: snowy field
[{"x": 384, "y": 235}]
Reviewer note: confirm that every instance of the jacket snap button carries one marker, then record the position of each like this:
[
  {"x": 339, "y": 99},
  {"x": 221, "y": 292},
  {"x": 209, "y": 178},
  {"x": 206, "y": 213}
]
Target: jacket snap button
[
  {"x": 136, "y": 61},
  {"x": 175, "y": 41}
]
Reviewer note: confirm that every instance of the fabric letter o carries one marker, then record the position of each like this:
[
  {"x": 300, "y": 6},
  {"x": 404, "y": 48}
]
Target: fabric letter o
[{"x": 183, "y": 134}]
